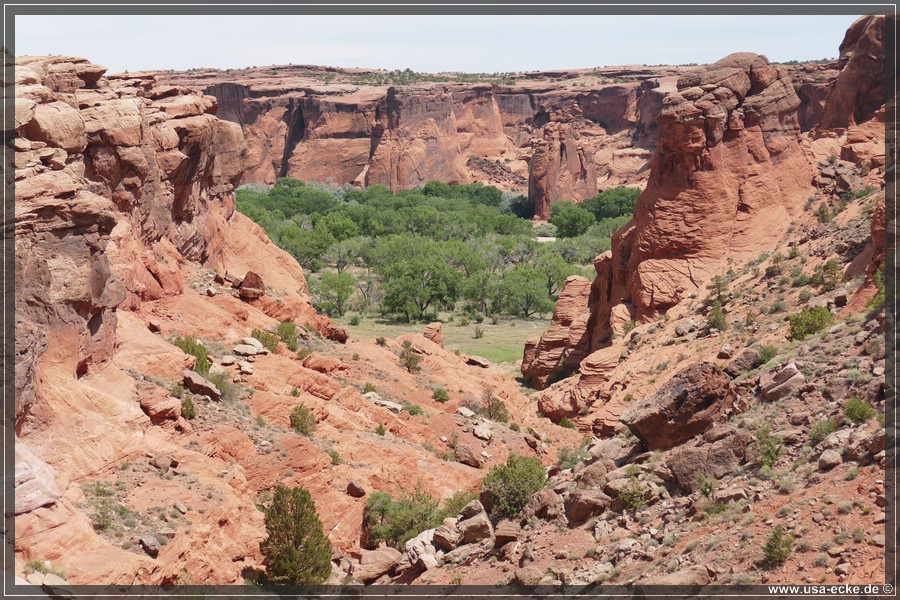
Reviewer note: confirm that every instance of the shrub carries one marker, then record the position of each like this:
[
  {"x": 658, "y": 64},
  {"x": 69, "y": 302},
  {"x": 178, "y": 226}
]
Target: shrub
[
  {"x": 510, "y": 486},
  {"x": 188, "y": 411},
  {"x": 354, "y": 320},
  {"x": 288, "y": 333},
  {"x": 716, "y": 317},
  {"x": 381, "y": 341},
  {"x": 268, "y": 339},
  {"x": 768, "y": 446},
  {"x": 295, "y": 551},
  {"x": 230, "y": 392},
  {"x": 628, "y": 327},
  {"x": 368, "y": 387},
  {"x": 766, "y": 353},
  {"x": 493, "y": 408},
  {"x": 821, "y": 430},
  {"x": 565, "y": 422},
  {"x": 395, "y": 522},
  {"x": 441, "y": 395},
  {"x": 455, "y": 503},
  {"x": 808, "y": 321},
  {"x": 381, "y": 429},
  {"x": 567, "y": 458},
  {"x": 514, "y": 427},
  {"x": 877, "y": 301},
  {"x": 804, "y": 296},
  {"x": 632, "y": 495},
  {"x": 302, "y": 420},
  {"x": 190, "y": 345},
  {"x": 858, "y": 411},
  {"x": 479, "y": 333},
  {"x": 408, "y": 359},
  {"x": 778, "y": 546},
  {"x": 177, "y": 390},
  {"x": 335, "y": 457},
  {"x": 413, "y": 409},
  {"x": 707, "y": 483}
]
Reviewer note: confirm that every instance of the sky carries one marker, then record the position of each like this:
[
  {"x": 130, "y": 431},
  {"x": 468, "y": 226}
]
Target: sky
[{"x": 425, "y": 43}]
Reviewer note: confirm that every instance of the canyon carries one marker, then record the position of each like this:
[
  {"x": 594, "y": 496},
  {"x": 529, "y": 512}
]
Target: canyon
[{"x": 128, "y": 237}]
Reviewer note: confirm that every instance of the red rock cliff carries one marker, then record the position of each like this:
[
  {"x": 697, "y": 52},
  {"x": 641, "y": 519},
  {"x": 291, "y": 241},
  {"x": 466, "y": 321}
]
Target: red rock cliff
[{"x": 557, "y": 135}]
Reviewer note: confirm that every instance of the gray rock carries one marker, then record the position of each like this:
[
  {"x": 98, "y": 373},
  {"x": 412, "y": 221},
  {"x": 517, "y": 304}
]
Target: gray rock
[
  {"x": 726, "y": 351},
  {"x": 483, "y": 431},
  {"x": 782, "y": 382},
  {"x": 446, "y": 537},
  {"x": 151, "y": 545},
  {"x": 682, "y": 329},
  {"x": 245, "y": 350},
  {"x": 829, "y": 459},
  {"x": 465, "y": 455},
  {"x": 475, "y": 529},
  {"x": 465, "y": 412}
]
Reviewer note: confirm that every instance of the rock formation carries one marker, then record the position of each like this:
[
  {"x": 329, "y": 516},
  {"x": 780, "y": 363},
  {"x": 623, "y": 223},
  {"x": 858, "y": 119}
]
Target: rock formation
[
  {"x": 859, "y": 89},
  {"x": 555, "y": 135}
]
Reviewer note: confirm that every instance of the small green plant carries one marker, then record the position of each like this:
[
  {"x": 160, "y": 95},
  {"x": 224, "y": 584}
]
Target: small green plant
[
  {"x": 230, "y": 392},
  {"x": 632, "y": 495},
  {"x": 381, "y": 429},
  {"x": 567, "y": 458},
  {"x": 716, "y": 317},
  {"x": 565, "y": 422},
  {"x": 858, "y": 411},
  {"x": 493, "y": 408},
  {"x": 440, "y": 395},
  {"x": 190, "y": 345},
  {"x": 479, "y": 333},
  {"x": 381, "y": 341},
  {"x": 408, "y": 359},
  {"x": 852, "y": 473},
  {"x": 188, "y": 410},
  {"x": 287, "y": 331},
  {"x": 706, "y": 483},
  {"x": 778, "y": 546},
  {"x": 177, "y": 390},
  {"x": 768, "y": 446},
  {"x": 354, "y": 320},
  {"x": 877, "y": 301},
  {"x": 514, "y": 427},
  {"x": 628, "y": 327},
  {"x": 368, "y": 387},
  {"x": 821, "y": 430},
  {"x": 335, "y": 457},
  {"x": 808, "y": 321},
  {"x": 303, "y": 421},
  {"x": 268, "y": 340},
  {"x": 766, "y": 353},
  {"x": 804, "y": 296},
  {"x": 413, "y": 409}
]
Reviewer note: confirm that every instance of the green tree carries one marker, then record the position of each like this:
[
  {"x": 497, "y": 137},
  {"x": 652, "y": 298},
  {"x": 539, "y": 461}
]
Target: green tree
[
  {"x": 303, "y": 420},
  {"x": 570, "y": 219},
  {"x": 612, "y": 203},
  {"x": 555, "y": 271},
  {"x": 395, "y": 522},
  {"x": 409, "y": 360},
  {"x": 331, "y": 291},
  {"x": 295, "y": 551},
  {"x": 525, "y": 292},
  {"x": 510, "y": 486}
]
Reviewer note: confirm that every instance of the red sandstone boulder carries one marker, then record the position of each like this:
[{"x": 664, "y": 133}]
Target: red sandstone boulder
[{"x": 691, "y": 402}]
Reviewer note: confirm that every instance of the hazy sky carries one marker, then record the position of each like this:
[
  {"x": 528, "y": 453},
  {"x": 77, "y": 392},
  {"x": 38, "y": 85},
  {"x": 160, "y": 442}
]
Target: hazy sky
[{"x": 425, "y": 43}]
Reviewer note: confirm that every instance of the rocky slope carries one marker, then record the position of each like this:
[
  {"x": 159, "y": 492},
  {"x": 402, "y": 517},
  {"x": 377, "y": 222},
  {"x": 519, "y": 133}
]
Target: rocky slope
[{"x": 126, "y": 238}]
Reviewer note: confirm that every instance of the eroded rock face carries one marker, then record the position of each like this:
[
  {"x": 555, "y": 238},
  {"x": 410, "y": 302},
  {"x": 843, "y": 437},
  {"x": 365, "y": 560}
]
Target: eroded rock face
[
  {"x": 693, "y": 401},
  {"x": 565, "y": 342},
  {"x": 859, "y": 89},
  {"x": 535, "y": 134},
  {"x": 726, "y": 180},
  {"x": 103, "y": 172}
]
